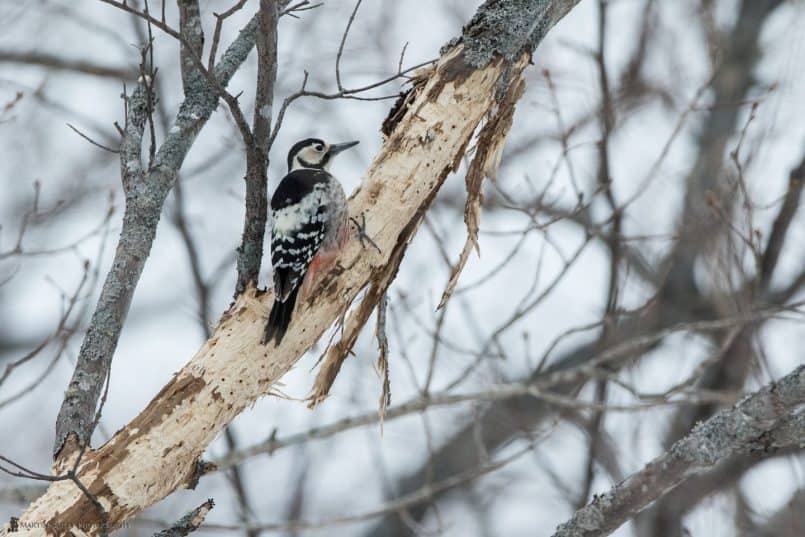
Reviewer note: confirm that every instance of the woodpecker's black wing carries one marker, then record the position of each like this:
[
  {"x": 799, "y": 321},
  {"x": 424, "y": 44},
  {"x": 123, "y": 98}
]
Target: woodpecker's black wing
[{"x": 298, "y": 227}]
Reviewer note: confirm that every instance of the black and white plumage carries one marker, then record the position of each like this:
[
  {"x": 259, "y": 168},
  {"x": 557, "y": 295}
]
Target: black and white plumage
[{"x": 308, "y": 226}]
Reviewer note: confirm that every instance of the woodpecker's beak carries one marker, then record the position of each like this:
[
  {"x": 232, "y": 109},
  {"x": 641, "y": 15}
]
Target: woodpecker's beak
[{"x": 337, "y": 148}]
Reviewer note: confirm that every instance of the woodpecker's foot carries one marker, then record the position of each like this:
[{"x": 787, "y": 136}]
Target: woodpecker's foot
[{"x": 362, "y": 235}]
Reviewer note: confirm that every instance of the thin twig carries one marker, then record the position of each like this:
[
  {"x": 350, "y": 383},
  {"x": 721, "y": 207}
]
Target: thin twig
[
  {"x": 93, "y": 142},
  {"x": 341, "y": 46}
]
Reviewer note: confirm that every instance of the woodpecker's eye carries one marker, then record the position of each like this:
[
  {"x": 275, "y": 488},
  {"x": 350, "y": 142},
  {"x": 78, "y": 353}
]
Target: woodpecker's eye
[{"x": 318, "y": 147}]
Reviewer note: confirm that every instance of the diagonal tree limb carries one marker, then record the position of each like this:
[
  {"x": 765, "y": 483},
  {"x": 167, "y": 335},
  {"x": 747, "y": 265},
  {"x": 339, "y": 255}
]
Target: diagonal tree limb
[
  {"x": 769, "y": 419},
  {"x": 687, "y": 495},
  {"x": 158, "y": 451},
  {"x": 144, "y": 201},
  {"x": 732, "y": 81},
  {"x": 779, "y": 230}
]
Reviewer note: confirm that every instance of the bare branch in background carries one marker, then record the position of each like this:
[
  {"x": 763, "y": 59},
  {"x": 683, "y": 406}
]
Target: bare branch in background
[
  {"x": 397, "y": 505},
  {"x": 298, "y": 7},
  {"x": 216, "y": 35},
  {"x": 52, "y": 62},
  {"x": 341, "y": 46},
  {"x": 93, "y": 142},
  {"x": 62, "y": 333},
  {"x": 676, "y": 298},
  {"x": 768, "y": 420},
  {"x": 782, "y": 224}
]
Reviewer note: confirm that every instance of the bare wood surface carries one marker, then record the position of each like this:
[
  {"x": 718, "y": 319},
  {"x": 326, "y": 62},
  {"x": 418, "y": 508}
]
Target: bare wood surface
[{"x": 159, "y": 450}]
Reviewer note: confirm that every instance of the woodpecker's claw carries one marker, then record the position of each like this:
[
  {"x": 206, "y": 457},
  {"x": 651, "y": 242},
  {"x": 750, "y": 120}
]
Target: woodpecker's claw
[{"x": 362, "y": 235}]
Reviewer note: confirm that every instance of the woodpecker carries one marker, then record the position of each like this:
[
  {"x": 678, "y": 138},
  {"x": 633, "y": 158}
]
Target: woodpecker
[{"x": 308, "y": 228}]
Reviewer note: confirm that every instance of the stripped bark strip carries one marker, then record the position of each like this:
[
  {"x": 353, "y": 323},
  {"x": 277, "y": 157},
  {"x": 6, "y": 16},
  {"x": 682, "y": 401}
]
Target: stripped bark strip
[
  {"x": 488, "y": 152},
  {"x": 188, "y": 523},
  {"x": 357, "y": 319},
  {"x": 383, "y": 358}
]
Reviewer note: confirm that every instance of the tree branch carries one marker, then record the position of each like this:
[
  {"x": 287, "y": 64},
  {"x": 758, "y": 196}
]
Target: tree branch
[
  {"x": 767, "y": 420},
  {"x": 782, "y": 223},
  {"x": 191, "y": 43},
  {"x": 159, "y": 450},
  {"x": 250, "y": 252},
  {"x": 144, "y": 200},
  {"x": 52, "y": 62},
  {"x": 668, "y": 515}
]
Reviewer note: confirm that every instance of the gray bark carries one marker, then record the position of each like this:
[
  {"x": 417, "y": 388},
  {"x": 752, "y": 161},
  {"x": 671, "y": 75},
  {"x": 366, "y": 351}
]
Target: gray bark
[
  {"x": 145, "y": 195},
  {"x": 769, "y": 419},
  {"x": 250, "y": 252}
]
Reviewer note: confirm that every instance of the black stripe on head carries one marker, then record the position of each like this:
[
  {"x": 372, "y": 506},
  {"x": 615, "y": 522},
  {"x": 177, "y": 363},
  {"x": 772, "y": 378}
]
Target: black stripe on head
[{"x": 298, "y": 146}]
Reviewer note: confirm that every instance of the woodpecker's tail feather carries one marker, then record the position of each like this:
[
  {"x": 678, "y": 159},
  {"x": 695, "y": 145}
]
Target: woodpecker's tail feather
[{"x": 280, "y": 318}]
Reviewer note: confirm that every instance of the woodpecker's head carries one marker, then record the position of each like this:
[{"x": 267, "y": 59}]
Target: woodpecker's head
[{"x": 314, "y": 153}]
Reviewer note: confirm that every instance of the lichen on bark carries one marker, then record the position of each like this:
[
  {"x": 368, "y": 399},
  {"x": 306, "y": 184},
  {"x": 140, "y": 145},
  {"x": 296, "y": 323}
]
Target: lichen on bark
[{"x": 509, "y": 28}]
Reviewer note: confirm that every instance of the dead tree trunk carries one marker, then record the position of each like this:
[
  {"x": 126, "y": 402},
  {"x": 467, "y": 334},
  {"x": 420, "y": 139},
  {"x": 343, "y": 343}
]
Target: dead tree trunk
[{"x": 159, "y": 450}]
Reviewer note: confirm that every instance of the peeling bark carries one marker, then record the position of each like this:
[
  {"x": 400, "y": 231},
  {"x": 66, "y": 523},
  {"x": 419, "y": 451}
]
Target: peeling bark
[
  {"x": 488, "y": 151},
  {"x": 145, "y": 195},
  {"x": 188, "y": 523},
  {"x": 159, "y": 450}
]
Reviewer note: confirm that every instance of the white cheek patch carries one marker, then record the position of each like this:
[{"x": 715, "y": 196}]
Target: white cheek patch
[{"x": 310, "y": 156}]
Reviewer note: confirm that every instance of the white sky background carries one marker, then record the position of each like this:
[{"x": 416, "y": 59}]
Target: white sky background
[{"x": 162, "y": 331}]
